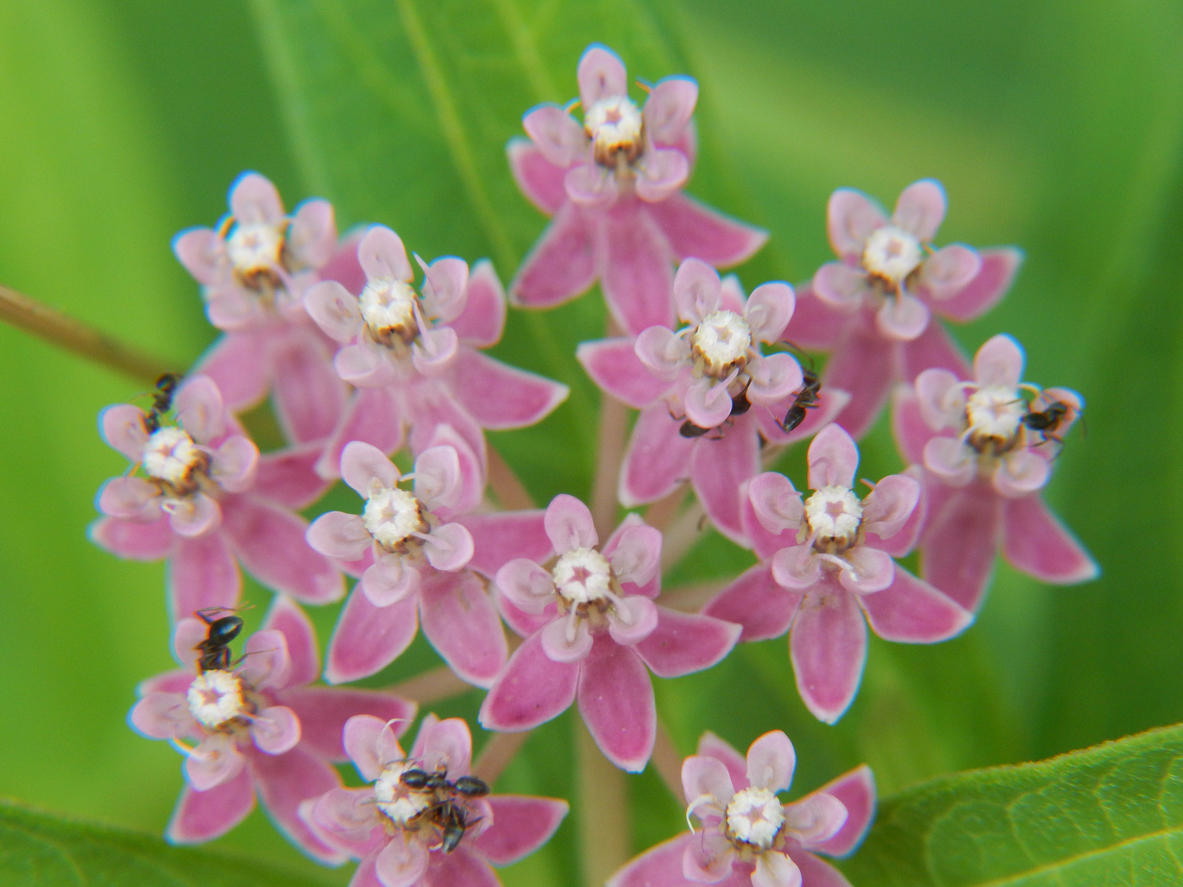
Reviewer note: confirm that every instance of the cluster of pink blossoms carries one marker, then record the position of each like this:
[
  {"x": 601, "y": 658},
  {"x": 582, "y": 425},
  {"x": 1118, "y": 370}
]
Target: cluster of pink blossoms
[{"x": 363, "y": 364}]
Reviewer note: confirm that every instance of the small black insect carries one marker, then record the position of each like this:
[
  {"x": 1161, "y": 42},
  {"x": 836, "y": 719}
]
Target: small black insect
[
  {"x": 452, "y": 818},
  {"x": 806, "y": 400},
  {"x": 739, "y": 405},
  {"x": 420, "y": 780},
  {"x": 162, "y": 400},
  {"x": 215, "y": 649},
  {"x": 471, "y": 786},
  {"x": 1046, "y": 421}
]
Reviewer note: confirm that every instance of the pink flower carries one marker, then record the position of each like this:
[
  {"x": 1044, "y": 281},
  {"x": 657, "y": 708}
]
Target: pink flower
[
  {"x": 407, "y": 836},
  {"x": 412, "y": 557},
  {"x": 826, "y": 567},
  {"x": 746, "y": 835},
  {"x": 413, "y": 355},
  {"x": 873, "y": 308},
  {"x": 207, "y": 500},
  {"x": 710, "y": 376},
  {"x": 256, "y": 729},
  {"x": 987, "y": 448},
  {"x": 613, "y": 186},
  {"x": 591, "y": 629}
]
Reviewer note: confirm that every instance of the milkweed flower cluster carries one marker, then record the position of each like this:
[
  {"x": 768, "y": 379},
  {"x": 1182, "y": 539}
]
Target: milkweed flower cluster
[{"x": 373, "y": 359}]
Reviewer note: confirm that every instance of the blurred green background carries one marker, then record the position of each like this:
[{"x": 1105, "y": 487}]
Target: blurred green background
[{"x": 1057, "y": 126}]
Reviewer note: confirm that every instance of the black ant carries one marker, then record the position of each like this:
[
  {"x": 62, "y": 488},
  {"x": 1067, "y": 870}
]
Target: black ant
[
  {"x": 739, "y": 405},
  {"x": 215, "y": 649},
  {"x": 806, "y": 399},
  {"x": 162, "y": 400},
  {"x": 1046, "y": 421},
  {"x": 452, "y": 818},
  {"x": 418, "y": 779}
]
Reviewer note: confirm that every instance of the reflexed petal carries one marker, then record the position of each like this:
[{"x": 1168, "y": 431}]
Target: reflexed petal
[
  {"x": 383, "y": 256},
  {"x": 520, "y": 826},
  {"x": 693, "y": 229},
  {"x": 360, "y": 739},
  {"x": 920, "y": 209},
  {"x": 312, "y": 237},
  {"x": 253, "y": 198},
  {"x": 445, "y": 288},
  {"x": 635, "y": 271},
  {"x": 769, "y": 310},
  {"x": 634, "y": 619},
  {"x": 463, "y": 866},
  {"x": 662, "y": 353},
  {"x": 199, "y": 250},
  {"x": 833, "y": 459},
  {"x": 275, "y": 729},
  {"x": 637, "y": 554},
  {"x": 373, "y": 416},
  {"x": 903, "y": 318},
  {"x": 614, "y": 365},
  {"x": 912, "y": 611},
  {"x": 569, "y": 524},
  {"x": 669, "y": 108},
  {"x": 324, "y": 711},
  {"x": 840, "y": 286},
  {"x": 829, "y": 647},
  {"x": 816, "y": 873},
  {"x": 202, "y": 573},
  {"x": 234, "y": 464},
  {"x": 657, "y": 458},
  {"x": 483, "y": 318},
  {"x": 526, "y": 584},
  {"x": 850, "y": 219},
  {"x": 1039, "y": 544},
  {"x": 199, "y": 409},
  {"x": 462, "y": 624},
  {"x": 771, "y": 761},
  {"x": 856, "y": 791},
  {"x": 286, "y": 617},
  {"x": 683, "y": 643},
  {"x": 773, "y": 378},
  {"x": 540, "y": 180},
  {"x": 704, "y": 776},
  {"x": 499, "y": 536},
  {"x": 775, "y": 503},
  {"x": 871, "y": 570},
  {"x": 556, "y": 134},
  {"x": 566, "y": 639},
  {"x": 270, "y": 543},
  {"x": 368, "y": 638},
  {"x": 755, "y": 601},
  {"x": 214, "y": 761},
  {"x": 1020, "y": 473},
  {"x": 196, "y": 516},
  {"x": 999, "y": 362},
  {"x": 775, "y": 869},
  {"x": 958, "y": 546},
  {"x": 889, "y": 505},
  {"x": 530, "y": 690},
  {"x": 934, "y": 348},
  {"x": 309, "y": 395},
  {"x": 865, "y": 365},
  {"x": 389, "y": 580},
  {"x": 561, "y": 264},
  {"x": 601, "y": 74},
  {"x": 449, "y": 547},
  {"x": 998, "y": 269},
  {"x": 283, "y": 783},
  {"x": 131, "y": 498},
  {"x": 948, "y": 270},
  {"x": 697, "y": 290},
  {"x": 950, "y": 460},
  {"x": 240, "y": 366},
  {"x": 663, "y": 172},
  {"x": 707, "y": 405},
  {"x": 718, "y": 469},
  {"x": 402, "y": 862},
  {"x": 499, "y": 396},
  {"x": 335, "y": 310},
  {"x": 435, "y": 350},
  {"x": 339, "y": 535},
  {"x": 616, "y": 700},
  {"x": 591, "y": 187},
  {"x": 202, "y": 816},
  {"x": 287, "y": 477}
]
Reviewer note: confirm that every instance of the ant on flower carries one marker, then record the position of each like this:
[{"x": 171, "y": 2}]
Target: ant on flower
[
  {"x": 447, "y": 810},
  {"x": 215, "y": 649},
  {"x": 739, "y": 405},
  {"x": 162, "y": 400},
  {"x": 1046, "y": 421},
  {"x": 807, "y": 398}
]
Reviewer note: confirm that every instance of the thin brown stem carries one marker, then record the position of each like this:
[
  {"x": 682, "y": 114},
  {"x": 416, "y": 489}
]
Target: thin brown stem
[
  {"x": 662, "y": 512},
  {"x": 497, "y": 754},
  {"x": 603, "y": 812},
  {"x": 431, "y": 686},
  {"x": 511, "y": 493},
  {"x": 609, "y": 456},
  {"x": 65, "y": 332},
  {"x": 681, "y": 535},
  {"x": 690, "y": 598},
  {"x": 667, "y": 761}
]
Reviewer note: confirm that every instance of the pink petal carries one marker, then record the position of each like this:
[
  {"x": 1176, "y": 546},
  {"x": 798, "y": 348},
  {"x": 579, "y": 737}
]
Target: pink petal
[
  {"x": 635, "y": 270},
  {"x": 775, "y": 504},
  {"x": 614, "y": 366},
  {"x": 199, "y": 250},
  {"x": 202, "y": 573},
  {"x": 663, "y": 172},
  {"x": 769, "y": 310},
  {"x": 526, "y": 585},
  {"x": 530, "y": 690},
  {"x": 497, "y": 537},
  {"x": 920, "y": 209},
  {"x": 270, "y": 543},
  {"x": 194, "y": 517},
  {"x": 850, "y": 219},
  {"x": 202, "y": 816},
  {"x": 833, "y": 459},
  {"x": 561, "y": 265},
  {"x": 567, "y": 639},
  {"x": 365, "y": 739},
  {"x": 815, "y": 818},
  {"x": 1020, "y": 473},
  {"x": 697, "y": 290},
  {"x": 363, "y": 465},
  {"x": 540, "y": 180},
  {"x": 912, "y": 611},
  {"x": 559, "y": 138},
  {"x": 902, "y": 318},
  {"x": 718, "y": 468},
  {"x": 712, "y": 746},
  {"x": 771, "y": 761},
  {"x": 756, "y": 602},
  {"x": 949, "y": 270},
  {"x": 323, "y": 712},
  {"x": 288, "y": 477},
  {"x": 704, "y": 776},
  {"x": 435, "y": 351},
  {"x": 601, "y": 75},
  {"x": 693, "y": 229},
  {"x": 773, "y": 378},
  {"x": 368, "y": 638},
  {"x": 520, "y": 826},
  {"x": 462, "y": 624},
  {"x": 1037, "y": 543},
  {"x": 313, "y": 234},
  {"x": 286, "y": 780},
  {"x": 460, "y": 867},
  {"x": 999, "y": 362},
  {"x": 445, "y": 744},
  {"x": 662, "y": 353},
  {"x": 253, "y": 198},
  {"x": 449, "y": 547},
  {"x": 265, "y": 662},
  {"x": 958, "y": 547},
  {"x": 657, "y": 458},
  {"x": 215, "y": 760},
  {"x": 816, "y": 873},
  {"x": 483, "y": 318},
  {"x": 122, "y": 427},
  {"x": 997, "y": 273},
  {"x": 362, "y": 365},
  {"x": 889, "y": 505},
  {"x": 374, "y": 416},
  {"x": 634, "y": 620},
  {"x": 591, "y": 186},
  {"x": 402, "y": 862},
  {"x": 933, "y": 348},
  {"x": 908, "y": 427},
  {"x": 871, "y": 570},
  {"x": 669, "y": 108},
  {"x": 865, "y": 365},
  {"x": 684, "y": 643},
  {"x": 239, "y": 364},
  {"x": 129, "y": 498},
  {"x": 829, "y": 647},
  {"x": 659, "y": 866},
  {"x": 840, "y": 287},
  {"x": 775, "y": 869},
  {"x": 636, "y": 556},
  {"x": 234, "y": 464},
  {"x": 383, "y": 256},
  {"x": 856, "y": 791},
  {"x": 569, "y": 525},
  {"x": 500, "y": 396},
  {"x": 309, "y": 395},
  {"x": 707, "y": 403},
  {"x": 275, "y": 729},
  {"x": 616, "y": 700},
  {"x": 339, "y": 535},
  {"x": 445, "y": 288},
  {"x": 163, "y": 715},
  {"x": 286, "y": 617}
]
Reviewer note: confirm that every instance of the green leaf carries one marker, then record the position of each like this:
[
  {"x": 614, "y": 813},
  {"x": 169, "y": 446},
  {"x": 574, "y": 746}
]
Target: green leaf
[
  {"x": 37, "y": 848},
  {"x": 1112, "y": 814}
]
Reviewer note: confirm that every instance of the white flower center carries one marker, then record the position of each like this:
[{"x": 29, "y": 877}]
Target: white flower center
[
  {"x": 215, "y": 697},
  {"x": 391, "y": 515},
  {"x": 754, "y": 816},
  {"x": 171, "y": 456},
  {"x": 993, "y": 416},
  {"x": 388, "y": 307},
  {"x": 891, "y": 254},
  {"x": 583, "y": 575},
  {"x": 722, "y": 341},
  {"x": 834, "y": 515},
  {"x": 255, "y": 248},
  {"x": 616, "y": 127},
  {"x": 398, "y": 804}
]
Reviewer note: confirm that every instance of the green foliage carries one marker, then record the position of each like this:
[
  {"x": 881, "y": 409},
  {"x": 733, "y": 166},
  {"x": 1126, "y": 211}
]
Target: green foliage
[{"x": 1110, "y": 815}]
